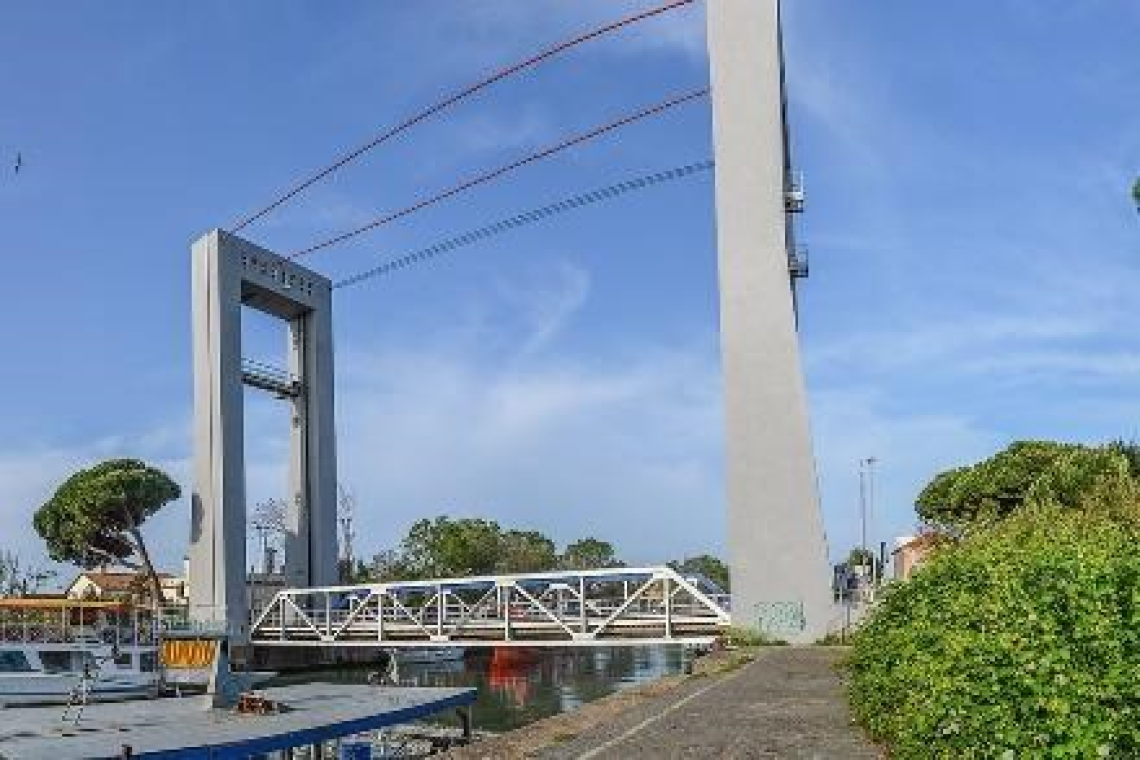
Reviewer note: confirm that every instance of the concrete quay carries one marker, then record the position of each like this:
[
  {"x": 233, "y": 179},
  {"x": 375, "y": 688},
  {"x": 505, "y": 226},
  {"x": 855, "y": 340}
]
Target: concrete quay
[{"x": 181, "y": 729}]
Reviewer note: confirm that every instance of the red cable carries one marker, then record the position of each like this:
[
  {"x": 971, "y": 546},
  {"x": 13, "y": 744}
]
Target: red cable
[
  {"x": 483, "y": 178},
  {"x": 452, "y": 100}
]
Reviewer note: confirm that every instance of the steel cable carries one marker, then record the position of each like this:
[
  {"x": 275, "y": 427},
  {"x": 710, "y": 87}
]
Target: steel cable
[
  {"x": 450, "y": 101},
  {"x": 526, "y": 218},
  {"x": 495, "y": 174}
]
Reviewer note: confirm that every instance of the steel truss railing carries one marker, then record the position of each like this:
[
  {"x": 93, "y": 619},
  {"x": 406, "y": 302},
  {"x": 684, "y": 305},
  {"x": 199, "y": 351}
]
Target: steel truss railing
[{"x": 566, "y": 608}]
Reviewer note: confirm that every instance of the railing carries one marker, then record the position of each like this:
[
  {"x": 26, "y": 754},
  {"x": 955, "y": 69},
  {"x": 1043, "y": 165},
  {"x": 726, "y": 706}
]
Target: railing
[
  {"x": 575, "y": 608},
  {"x": 76, "y": 625},
  {"x": 269, "y": 378},
  {"x": 798, "y": 262},
  {"x": 794, "y": 195}
]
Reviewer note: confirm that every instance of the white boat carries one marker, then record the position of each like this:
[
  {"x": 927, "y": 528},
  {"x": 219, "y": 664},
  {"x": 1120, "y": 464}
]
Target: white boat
[
  {"x": 426, "y": 655},
  {"x": 51, "y": 673}
]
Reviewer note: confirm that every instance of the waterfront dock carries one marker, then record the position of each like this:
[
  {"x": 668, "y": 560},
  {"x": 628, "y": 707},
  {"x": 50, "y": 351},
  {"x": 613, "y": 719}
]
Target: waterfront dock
[{"x": 311, "y": 714}]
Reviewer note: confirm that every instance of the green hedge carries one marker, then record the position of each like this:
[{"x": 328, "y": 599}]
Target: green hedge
[{"x": 1023, "y": 641}]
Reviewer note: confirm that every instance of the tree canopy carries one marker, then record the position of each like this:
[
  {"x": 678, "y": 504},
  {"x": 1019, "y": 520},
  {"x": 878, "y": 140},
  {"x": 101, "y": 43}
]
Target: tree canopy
[
  {"x": 95, "y": 517},
  {"x": 707, "y": 565},
  {"x": 1027, "y": 472},
  {"x": 444, "y": 547},
  {"x": 589, "y": 553},
  {"x": 526, "y": 551}
]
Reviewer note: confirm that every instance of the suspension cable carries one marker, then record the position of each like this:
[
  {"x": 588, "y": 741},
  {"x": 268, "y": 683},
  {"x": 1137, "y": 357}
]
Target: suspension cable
[
  {"x": 526, "y": 218},
  {"x": 499, "y": 172},
  {"x": 452, "y": 100}
]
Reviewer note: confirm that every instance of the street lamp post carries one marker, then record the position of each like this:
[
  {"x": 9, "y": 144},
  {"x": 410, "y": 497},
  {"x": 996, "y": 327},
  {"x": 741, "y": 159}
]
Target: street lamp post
[{"x": 867, "y": 509}]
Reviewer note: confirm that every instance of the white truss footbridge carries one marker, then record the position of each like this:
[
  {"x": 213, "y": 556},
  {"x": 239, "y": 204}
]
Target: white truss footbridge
[{"x": 613, "y": 606}]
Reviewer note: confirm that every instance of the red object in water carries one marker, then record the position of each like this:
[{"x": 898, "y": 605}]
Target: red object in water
[
  {"x": 508, "y": 657},
  {"x": 509, "y": 672}
]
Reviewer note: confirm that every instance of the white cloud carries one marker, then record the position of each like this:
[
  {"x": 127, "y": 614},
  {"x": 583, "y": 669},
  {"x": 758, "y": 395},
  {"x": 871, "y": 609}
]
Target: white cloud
[
  {"x": 547, "y": 305},
  {"x": 483, "y": 421},
  {"x": 567, "y": 447},
  {"x": 499, "y": 130}
]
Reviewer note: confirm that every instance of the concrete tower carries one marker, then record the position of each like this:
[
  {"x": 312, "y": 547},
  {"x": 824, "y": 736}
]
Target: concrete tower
[
  {"x": 777, "y": 552},
  {"x": 229, "y": 273}
]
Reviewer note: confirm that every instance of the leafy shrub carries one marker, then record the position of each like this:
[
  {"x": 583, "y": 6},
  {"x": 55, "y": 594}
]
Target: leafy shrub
[
  {"x": 736, "y": 636},
  {"x": 1022, "y": 641}
]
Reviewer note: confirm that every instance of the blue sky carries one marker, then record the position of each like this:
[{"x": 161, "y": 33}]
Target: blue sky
[{"x": 973, "y": 248}]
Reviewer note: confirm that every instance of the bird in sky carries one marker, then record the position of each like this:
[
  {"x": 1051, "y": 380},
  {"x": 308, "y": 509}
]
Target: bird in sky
[{"x": 19, "y": 162}]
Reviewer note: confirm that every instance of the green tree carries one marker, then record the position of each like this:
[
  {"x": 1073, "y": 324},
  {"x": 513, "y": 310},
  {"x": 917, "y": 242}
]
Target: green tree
[
  {"x": 589, "y": 553},
  {"x": 354, "y": 571},
  {"x": 707, "y": 565},
  {"x": 1027, "y": 472},
  {"x": 96, "y": 516},
  {"x": 389, "y": 565},
  {"x": 526, "y": 551},
  {"x": 1136, "y": 193},
  {"x": 445, "y": 548}
]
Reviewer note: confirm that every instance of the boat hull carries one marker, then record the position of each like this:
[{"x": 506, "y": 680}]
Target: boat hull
[
  {"x": 427, "y": 655},
  {"x": 51, "y": 689}
]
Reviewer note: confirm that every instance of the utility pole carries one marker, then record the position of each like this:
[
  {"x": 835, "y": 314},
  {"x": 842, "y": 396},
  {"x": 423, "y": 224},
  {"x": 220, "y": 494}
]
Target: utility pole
[
  {"x": 346, "y": 503},
  {"x": 867, "y": 512},
  {"x": 863, "y": 504}
]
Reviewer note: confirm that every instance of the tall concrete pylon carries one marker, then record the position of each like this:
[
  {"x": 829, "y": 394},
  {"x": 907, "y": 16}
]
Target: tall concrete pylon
[
  {"x": 230, "y": 273},
  {"x": 777, "y": 550}
]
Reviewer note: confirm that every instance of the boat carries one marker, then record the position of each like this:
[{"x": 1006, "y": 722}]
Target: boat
[
  {"x": 427, "y": 655},
  {"x": 57, "y": 673},
  {"x": 49, "y": 647}
]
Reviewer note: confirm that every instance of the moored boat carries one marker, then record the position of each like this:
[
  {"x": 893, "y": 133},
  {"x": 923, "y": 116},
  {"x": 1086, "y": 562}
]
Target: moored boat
[
  {"x": 52, "y": 673},
  {"x": 426, "y": 655}
]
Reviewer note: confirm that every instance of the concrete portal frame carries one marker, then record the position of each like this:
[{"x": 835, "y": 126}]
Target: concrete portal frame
[
  {"x": 228, "y": 273},
  {"x": 777, "y": 550}
]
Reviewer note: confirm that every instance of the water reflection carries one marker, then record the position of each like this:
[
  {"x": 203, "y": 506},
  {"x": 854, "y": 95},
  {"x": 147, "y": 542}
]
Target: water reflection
[{"x": 520, "y": 686}]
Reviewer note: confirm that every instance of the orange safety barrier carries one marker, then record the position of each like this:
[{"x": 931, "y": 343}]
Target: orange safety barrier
[{"x": 187, "y": 653}]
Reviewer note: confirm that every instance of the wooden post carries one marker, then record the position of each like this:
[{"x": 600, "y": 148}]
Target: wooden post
[{"x": 464, "y": 714}]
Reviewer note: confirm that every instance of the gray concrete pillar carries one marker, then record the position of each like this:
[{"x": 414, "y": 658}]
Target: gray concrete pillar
[{"x": 777, "y": 551}]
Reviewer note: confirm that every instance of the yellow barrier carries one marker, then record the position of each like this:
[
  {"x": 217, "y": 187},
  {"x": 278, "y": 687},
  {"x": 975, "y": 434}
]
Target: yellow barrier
[{"x": 187, "y": 653}]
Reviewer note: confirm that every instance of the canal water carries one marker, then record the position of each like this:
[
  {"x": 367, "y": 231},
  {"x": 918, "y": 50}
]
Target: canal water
[{"x": 517, "y": 687}]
